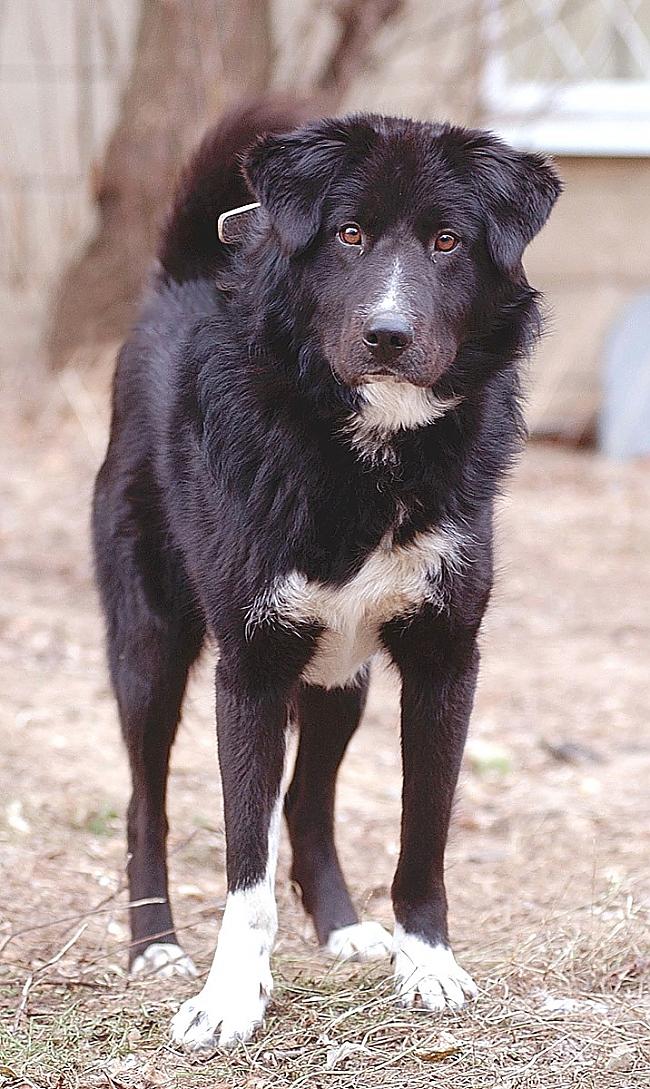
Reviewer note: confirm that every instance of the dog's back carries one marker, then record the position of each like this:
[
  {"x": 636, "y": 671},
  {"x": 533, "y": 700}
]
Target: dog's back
[
  {"x": 184, "y": 291},
  {"x": 213, "y": 183}
]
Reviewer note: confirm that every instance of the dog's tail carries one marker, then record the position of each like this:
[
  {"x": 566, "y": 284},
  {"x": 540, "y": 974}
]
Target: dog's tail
[{"x": 213, "y": 183}]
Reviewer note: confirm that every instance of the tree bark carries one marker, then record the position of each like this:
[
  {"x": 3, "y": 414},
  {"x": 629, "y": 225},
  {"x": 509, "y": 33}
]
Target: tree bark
[{"x": 190, "y": 60}]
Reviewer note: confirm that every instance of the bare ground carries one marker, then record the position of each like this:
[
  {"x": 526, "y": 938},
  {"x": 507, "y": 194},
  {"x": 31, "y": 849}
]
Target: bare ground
[{"x": 548, "y": 863}]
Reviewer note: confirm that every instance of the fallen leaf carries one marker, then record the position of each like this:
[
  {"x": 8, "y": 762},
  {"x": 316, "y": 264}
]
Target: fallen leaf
[
  {"x": 551, "y": 1004},
  {"x": 620, "y": 1058},
  {"x": 445, "y": 1045},
  {"x": 15, "y": 818},
  {"x": 336, "y": 1055}
]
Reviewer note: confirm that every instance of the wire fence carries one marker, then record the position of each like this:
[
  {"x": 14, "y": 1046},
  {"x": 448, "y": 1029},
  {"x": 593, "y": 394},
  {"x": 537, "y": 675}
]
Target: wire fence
[{"x": 62, "y": 66}]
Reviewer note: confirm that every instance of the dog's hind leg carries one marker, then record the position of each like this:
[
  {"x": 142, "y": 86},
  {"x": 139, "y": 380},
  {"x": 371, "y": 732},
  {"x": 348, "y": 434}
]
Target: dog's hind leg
[
  {"x": 328, "y": 719},
  {"x": 150, "y": 692},
  {"x": 154, "y": 633}
]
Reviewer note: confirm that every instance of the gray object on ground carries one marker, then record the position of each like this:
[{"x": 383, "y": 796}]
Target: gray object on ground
[{"x": 624, "y": 424}]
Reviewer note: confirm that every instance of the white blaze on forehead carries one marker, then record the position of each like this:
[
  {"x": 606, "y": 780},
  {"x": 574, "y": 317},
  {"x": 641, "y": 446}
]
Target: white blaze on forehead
[{"x": 393, "y": 297}]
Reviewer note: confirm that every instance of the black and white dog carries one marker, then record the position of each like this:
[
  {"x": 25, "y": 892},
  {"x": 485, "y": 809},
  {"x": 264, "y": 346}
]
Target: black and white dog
[{"x": 310, "y": 425}]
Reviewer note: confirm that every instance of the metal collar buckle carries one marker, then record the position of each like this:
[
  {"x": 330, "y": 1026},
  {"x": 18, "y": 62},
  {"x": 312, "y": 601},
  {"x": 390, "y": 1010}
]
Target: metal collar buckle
[{"x": 225, "y": 217}]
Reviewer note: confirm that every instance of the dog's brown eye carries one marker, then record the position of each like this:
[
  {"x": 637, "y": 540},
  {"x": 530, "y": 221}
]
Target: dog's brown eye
[
  {"x": 350, "y": 234},
  {"x": 446, "y": 242}
]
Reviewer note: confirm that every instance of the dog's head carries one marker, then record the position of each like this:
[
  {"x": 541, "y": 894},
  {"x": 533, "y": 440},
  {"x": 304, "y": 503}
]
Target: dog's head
[{"x": 407, "y": 236}]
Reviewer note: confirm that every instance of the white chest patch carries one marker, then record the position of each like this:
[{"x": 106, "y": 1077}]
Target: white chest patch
[
  {"x": 394, "y": 581},
  {"x": 389, "y": 406}
]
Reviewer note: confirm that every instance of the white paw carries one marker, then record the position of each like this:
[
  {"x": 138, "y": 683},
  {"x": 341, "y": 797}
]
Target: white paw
[
  {"x": 361, "y": 941},
  {"x": 164, "y": 959},
  {"x": 429, "y": 975},
  {"x": 235, "y": 994},
  {"x": 223, "y": 1013}
]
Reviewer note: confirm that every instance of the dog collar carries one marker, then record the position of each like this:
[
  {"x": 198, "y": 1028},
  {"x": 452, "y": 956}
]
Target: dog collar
[{"x": 227, "y": 230}]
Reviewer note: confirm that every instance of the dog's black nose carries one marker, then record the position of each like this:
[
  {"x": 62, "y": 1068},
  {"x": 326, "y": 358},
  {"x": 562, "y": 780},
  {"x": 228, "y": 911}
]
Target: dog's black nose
[{"x": 387, "y": 334}]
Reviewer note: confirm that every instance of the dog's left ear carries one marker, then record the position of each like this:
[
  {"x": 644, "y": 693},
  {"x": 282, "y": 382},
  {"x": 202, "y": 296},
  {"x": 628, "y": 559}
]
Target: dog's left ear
[
  {"x": 518, "y": 190},
  {"x": 290, "y": 176}
]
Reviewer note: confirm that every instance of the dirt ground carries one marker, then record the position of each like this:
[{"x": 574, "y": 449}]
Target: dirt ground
[{"x": 549, "y": 858}]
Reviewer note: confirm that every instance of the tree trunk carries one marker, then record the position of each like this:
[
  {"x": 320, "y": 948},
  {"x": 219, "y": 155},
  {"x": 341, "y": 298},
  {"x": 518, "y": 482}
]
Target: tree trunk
[{"x": 190, "y": 60}]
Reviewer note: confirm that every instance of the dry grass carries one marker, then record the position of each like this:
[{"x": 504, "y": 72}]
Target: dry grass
[
  {"x": 548, "y": 862},
  {"x": 565, "y": 1005}
]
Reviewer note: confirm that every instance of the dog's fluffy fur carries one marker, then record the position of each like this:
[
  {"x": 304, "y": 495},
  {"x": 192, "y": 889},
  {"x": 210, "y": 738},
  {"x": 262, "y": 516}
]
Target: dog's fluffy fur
[{"x": 272, "y": 480}]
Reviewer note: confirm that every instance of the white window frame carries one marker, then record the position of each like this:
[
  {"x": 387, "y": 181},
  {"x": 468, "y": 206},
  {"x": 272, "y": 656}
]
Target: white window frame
[{"x": 594, "y": 117}]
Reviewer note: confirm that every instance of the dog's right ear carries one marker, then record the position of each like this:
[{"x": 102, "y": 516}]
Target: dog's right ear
[{"x": 290, "y": 176}]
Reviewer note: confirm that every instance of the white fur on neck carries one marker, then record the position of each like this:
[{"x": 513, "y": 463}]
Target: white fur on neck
[{"x": 390, "y": 406}]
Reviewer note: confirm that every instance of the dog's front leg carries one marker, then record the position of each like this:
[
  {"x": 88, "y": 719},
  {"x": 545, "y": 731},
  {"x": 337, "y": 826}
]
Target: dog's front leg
[
  {"x": 251, "y": 731},
  {"x": 439, "y": 664}
]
